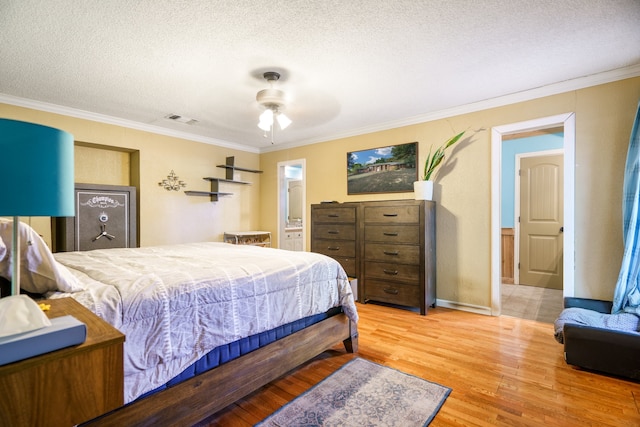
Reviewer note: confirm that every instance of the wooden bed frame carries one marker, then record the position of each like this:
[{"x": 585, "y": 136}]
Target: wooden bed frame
[
  {"x": 195, "y": 399},
  {"x": 203, "y": 395}
]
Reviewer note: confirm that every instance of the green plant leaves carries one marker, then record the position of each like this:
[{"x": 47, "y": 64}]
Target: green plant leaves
[{"x": 434, "y": 161}]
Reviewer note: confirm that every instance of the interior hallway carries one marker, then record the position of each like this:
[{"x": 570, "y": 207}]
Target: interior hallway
[{"x": 530, "y": 302}]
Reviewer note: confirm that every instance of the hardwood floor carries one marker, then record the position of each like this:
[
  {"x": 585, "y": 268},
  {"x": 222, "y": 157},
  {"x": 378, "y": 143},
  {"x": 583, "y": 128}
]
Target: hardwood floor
[{"x": 502, "y": 370}]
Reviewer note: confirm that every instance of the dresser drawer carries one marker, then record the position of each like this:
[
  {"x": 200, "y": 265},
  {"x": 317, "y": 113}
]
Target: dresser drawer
[
  {"x": 349, "y": 265},
  {"x": 334, "y": 248},
  {"x": 404, "y": 254},
  {"x": 392, "y": 234},
  {"x": 395, "y": 293},
  {"x": 337, "y": 214},
  {"x": 389, "y": 271},
  {"x": 392, "y": 214},
  {"x": 334, "y": 231}
]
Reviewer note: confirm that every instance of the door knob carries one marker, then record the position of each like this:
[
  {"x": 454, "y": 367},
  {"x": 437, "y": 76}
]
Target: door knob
[{"x": 562, "y": 229}]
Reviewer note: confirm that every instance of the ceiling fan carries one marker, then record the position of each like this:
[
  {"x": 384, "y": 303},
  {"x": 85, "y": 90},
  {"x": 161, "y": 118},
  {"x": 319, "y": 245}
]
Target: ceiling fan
[{"x": 273, "y": 100}]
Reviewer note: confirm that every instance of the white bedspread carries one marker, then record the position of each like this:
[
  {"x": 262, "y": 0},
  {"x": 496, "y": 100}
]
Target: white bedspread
[{"x": 176, "y": 303}]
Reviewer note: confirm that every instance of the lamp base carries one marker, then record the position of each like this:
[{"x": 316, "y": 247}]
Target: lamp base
[{"x": 15, "y": 257}]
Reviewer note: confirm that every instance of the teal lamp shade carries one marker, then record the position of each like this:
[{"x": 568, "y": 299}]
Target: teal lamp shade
[
  {"x": 37, "y": 166},
  {"x": 38, "y": 179}
]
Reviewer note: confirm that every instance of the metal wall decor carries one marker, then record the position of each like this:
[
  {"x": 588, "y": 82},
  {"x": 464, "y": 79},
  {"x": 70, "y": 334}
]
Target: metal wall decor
[{"x": 172, "y": 182}]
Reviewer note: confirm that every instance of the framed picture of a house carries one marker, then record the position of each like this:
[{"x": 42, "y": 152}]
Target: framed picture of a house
[{"x": 390, "y": 169}]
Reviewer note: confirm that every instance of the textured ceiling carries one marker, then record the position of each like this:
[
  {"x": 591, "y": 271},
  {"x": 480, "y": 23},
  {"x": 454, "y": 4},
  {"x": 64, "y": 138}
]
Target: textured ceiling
[{"x": 348, "y": 66}]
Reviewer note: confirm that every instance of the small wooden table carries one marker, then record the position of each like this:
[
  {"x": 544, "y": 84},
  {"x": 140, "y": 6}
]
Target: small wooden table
[
  {"x": 67, "y": 386},
  {"x": 255, "y": 238}
]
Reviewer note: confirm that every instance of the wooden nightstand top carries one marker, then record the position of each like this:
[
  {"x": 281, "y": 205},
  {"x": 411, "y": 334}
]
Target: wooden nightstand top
[
  {"x": 68, "y": 386},
  {"x": 99, "y": 334}
]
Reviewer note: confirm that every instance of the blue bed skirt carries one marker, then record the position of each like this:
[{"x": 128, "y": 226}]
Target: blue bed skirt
[{"x": 228, "y": 352}]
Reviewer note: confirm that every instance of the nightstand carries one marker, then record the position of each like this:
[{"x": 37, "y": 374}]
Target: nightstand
[{"x": 67, "y": 386}]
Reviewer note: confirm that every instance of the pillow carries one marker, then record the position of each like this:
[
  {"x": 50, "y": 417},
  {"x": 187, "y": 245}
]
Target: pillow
[
  {"x": 3, "y": 249},
  {"x": 39, "y": 271}
]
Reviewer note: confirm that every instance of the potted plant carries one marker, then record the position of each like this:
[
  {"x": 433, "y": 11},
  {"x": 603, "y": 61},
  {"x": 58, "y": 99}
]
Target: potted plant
[{"x": 423, "y": 190}]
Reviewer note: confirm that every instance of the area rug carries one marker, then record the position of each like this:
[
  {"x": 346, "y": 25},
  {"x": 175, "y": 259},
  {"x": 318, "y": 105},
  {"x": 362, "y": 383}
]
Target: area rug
[{"x": 363, "y": 393}]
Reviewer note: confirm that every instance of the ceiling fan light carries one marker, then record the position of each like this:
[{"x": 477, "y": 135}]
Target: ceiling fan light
[
  {"x": 283, "y": 121},
  {"x": 267, "y": 116},
  {"x": 266, "y": 120},
  {"x": 264, "y": 126}
]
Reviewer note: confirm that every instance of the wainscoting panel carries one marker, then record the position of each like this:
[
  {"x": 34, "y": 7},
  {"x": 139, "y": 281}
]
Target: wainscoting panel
[{"x": 507, "y": 255}]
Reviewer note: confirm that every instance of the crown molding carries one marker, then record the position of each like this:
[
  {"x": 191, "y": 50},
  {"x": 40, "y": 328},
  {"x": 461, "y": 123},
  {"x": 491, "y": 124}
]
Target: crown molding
[
  {"x": 526, "y": 95},
  {"x": 103, "y": 118},
  {"x": 513, "y": 98}
]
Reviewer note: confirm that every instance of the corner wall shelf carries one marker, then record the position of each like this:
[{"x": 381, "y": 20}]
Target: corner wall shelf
[
  {"x": 230, "y": 168},
  {"x": 215, "y": 182}
]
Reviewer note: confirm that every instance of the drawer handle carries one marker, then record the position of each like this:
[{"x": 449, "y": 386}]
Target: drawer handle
[
  {"x": 391, "y": 253},
  {"x": 333, "y": 215},
  {"x": 333, "y": 248},
  {"x": 391, "y": 291},
  {"x": 390, "y": 234},
  {"x": 333, "y": 232},
  {"x": 390, "y": 214},
  {"x": 390, "y": 272}
]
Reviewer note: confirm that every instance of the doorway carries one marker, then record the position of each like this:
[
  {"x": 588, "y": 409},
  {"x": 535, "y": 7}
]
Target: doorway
[
  {"x": 567, "y": 123},
  {"x": 292, "y": 205},
  {"x": 539, "y": 219}
]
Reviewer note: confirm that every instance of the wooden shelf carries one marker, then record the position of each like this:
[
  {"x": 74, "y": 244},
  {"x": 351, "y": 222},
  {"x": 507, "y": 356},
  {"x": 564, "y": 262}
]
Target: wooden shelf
[
  {"x": 239, "y": 168},
  {"x": 215, "y": 182},
  {"x": 233, "y": 181},
  {"x": 231, "y": 167},
  {"x": 213, "y": 194}
]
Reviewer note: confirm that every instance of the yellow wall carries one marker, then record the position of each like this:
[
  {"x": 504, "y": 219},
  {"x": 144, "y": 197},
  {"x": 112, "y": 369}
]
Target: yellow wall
[
  {"x": 166, "y": 217},
  {"x": 604, "y": 116}
]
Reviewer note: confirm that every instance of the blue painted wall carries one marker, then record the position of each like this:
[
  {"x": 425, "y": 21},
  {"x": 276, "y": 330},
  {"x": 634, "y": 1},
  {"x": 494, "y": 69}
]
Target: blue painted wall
[{"x": 509, "y": 150}]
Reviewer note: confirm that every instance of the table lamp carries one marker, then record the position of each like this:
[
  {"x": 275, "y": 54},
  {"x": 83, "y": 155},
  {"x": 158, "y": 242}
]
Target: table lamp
[{"x": 37, "y": 166}]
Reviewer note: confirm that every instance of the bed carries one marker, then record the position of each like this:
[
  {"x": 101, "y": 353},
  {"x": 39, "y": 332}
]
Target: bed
[{"x": 249, "y": 313}]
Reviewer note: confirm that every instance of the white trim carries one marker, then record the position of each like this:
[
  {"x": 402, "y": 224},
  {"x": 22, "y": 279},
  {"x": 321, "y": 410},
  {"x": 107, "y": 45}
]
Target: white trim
[
  {"x": 103, "y": 118},
  {"x": 471, "y": 308},
  {"x": 568, "y": 122},
  {"x": 516, "y": 203},
  {"x": 525, "y": 95}
]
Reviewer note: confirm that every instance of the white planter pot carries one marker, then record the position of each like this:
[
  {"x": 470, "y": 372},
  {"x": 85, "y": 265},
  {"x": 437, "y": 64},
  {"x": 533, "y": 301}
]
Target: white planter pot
[{"x": 423, "y": 190}]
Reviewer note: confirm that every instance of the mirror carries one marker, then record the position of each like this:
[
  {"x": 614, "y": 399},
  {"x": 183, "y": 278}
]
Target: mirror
[
  {"x": 294, "y": 203},
  {"x": 291, "y": 205},
  {"x": 294, "y": 186}
]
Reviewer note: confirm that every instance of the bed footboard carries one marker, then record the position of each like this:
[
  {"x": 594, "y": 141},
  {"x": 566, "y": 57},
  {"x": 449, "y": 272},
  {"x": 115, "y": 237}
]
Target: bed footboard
[{"x": 201, "y": 396}]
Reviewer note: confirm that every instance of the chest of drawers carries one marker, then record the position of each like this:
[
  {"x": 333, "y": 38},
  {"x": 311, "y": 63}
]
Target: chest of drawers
[
  {"x": 398, "y": 253},
  {"x": 334, "y": 232},
  {"x": 389, "y": 246}
]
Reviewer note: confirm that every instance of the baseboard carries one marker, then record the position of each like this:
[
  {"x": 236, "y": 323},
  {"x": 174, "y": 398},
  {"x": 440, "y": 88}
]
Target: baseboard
[{"x": 478, "y": 309}]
